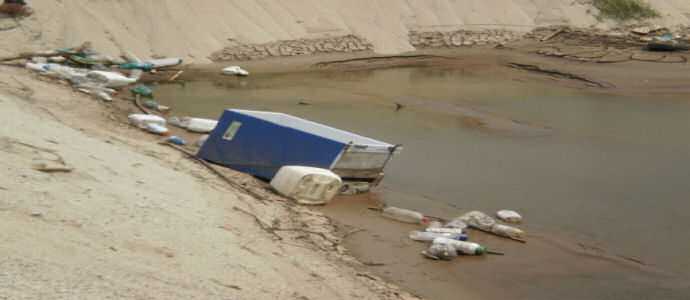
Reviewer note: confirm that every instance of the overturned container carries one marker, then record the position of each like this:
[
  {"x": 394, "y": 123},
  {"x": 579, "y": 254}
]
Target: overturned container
[{"x": 260, "y": 143}]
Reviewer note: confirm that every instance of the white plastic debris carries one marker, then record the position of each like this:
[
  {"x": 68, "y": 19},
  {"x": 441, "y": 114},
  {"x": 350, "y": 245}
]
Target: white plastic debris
[
  {"x": 404, "y": 215},
  {"x": 456, "y": 223},
  {"x": 434, "y": 224},
  {"x": 509, "y": 216},
  {"x": 478, "y": 219},
  {"x": 467, "y": 248},
  {"x": 235, "y": 70},
  {"x": 164, "y": 62},
  {"x": 307, "y": 185},
  {"x": 57, "y": 59},
  {"x": 110, "y": 79},
  {"x": 141, "y": 120},
  {"x": 445, "y": 230},
  {"x": 441, "y": 251},
  {"x": 38, "y": 67},
  {"x": 200, "y": 125},
  {"x": 156, "y": 128},
  {"x": 425, "y": 236},
  {"x": 507, "y": 231}
]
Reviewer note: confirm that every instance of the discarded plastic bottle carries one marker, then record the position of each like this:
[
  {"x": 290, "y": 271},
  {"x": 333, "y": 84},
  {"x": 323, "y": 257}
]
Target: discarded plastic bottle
[
  {"x": 464, "y": 247},
  {"x": 404, "y": 215},
  {"x": 176, "y": 140},
  {"x": 456, "y": 223},
  {"x": 425, "y": 236},
  {"x": 434, "y": 224},
  {"x": 445, "y": 230},
  {"x": 507, "y": 231},
  {"x": 441, "y": 251}
]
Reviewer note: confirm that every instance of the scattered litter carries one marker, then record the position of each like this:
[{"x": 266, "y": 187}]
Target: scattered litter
[
  {"x": 456, "y": 223},
  {"x": 478, "y": 220},
  {"x": 464, "y": 247},
  {"x": 176, "y": 75},
  {"x": 507, "y": 231},
  {"x": 110, "y": 79},
  {"x": 445, "y": 230},
  {"x": 49, "y": 167},
  {"x": 434, "y": 224},
  {"x": 156, "y": 128},
  {"x": 163, "y": 62},
  {"x": 235, "y": 70},
  {"x": 36, "y": 214},
  {"x": 441, "y": 251},
  {"x": 426, "y": 236},
  {"x": 404, "y": 215},
  {"x": 355, "y": 187},
  {"x": 140, "y": 120},
  {"x": 307, "y": 185},
  {"x": 137, "y": 66},
  {"x": 200, "y": 125},
  {"x": 176, "y": 140},
  {"x": 509, "y": 216},
  {"x": 142, "y": 90}
]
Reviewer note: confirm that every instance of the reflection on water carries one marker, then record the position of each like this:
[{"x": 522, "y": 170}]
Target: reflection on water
[{"x": 608, "y": 168}]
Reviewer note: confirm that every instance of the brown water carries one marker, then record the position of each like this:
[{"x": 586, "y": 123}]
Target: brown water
[{"x": 613, "y": 171}]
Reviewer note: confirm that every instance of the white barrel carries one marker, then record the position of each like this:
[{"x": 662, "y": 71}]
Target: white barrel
[
  {"x": 467, "y": 248},
  {"x": 403, "y": 215}
]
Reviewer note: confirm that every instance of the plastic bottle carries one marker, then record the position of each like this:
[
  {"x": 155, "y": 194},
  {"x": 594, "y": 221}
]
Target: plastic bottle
[
  {"x": 464, "y": 247},
  {"x": 456, "y": 223},
  {"x": 442, "y": 251},
  {"x": 425, "y": 236},
  {"x": 509, "y": 216},
  {"x": 404, "y": 215},
  {"x": 445, "y": 230},
  {"x": 434, "y": 224},
  {"x": 507, "y": 231}
]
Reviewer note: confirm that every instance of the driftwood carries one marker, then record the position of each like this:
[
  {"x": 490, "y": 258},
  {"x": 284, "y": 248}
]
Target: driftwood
[{"x": 558, "y": 74}]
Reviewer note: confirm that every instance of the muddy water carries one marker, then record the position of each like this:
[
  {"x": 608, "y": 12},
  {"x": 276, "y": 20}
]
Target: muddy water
[{"x": 601, "y": 172}]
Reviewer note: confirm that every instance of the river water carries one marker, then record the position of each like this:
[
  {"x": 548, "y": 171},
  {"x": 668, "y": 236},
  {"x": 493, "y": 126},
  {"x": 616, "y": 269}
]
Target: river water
[{"x": 608, "y": 169}]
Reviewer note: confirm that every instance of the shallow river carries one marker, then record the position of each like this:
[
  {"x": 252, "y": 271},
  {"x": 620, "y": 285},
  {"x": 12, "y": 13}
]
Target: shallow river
[{"x": 607, "y": 169}]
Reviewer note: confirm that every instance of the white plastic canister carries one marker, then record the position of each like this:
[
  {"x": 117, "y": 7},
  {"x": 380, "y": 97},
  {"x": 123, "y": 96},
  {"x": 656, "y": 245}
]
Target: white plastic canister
[{"x": 307, "y": 185}]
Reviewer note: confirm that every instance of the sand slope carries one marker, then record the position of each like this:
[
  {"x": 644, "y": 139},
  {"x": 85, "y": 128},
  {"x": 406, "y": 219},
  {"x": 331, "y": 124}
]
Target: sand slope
[{"x": 197, "y": 28}]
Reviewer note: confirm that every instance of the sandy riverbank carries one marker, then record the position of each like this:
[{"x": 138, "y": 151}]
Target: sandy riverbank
[{"x": 137, "y": 220}]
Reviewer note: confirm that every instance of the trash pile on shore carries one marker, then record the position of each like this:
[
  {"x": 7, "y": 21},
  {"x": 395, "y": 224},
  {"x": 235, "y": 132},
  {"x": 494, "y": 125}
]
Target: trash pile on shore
[
  {"x": 450, "y": 239},
  {"x": 91, "y": 72}
]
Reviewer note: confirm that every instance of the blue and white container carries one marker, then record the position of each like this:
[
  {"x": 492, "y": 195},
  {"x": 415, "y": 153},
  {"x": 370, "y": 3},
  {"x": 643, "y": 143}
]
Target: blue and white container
[{"x": 260, "y": 143}]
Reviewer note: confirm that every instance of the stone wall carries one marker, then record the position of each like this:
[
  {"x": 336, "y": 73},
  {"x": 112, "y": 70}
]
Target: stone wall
[
  {"x": 461, "y": 38},
  {"x": 347, "y": 43}
]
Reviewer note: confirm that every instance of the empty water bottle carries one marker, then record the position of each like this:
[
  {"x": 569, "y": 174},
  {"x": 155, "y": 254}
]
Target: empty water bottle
[
  {"x": 464, "y": 247},
  {"x": 404, "y": 215},
  {"x": 446, "y": 230},
  {"x": 442, "y": 251},
  {"x": 425, "y": 236}
]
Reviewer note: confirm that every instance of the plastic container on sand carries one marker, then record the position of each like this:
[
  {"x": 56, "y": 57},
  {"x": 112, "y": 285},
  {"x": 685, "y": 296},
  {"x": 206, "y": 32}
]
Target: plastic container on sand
[
  {"x": 156, "y": 128},
  {"x": 307, "y": 185},
  {"x": 441, "y": 251},
  {"x": 235, "y": 70},
  {"x": 404, "y": 215},
  {"x": 445, "y": 230},
  {"x": 457, "y": 223},
  {"x": 507, "y": 231}
]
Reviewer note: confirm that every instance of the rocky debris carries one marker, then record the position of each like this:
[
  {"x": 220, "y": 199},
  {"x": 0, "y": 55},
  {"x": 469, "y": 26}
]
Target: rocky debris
[
  {"x": 461, "y": 38},
  {"x": 243, "y": 52}
]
